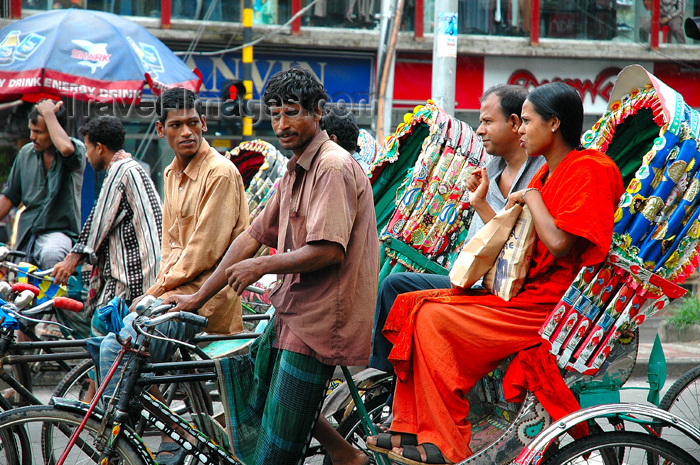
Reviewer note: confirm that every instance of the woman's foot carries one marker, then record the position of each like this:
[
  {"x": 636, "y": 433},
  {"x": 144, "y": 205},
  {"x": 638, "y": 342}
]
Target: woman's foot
[
  {"x": 385, "y": 442},
  {"x": 418, "y": 455}
]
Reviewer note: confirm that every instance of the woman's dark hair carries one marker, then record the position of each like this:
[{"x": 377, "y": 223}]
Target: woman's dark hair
[
  {"x": 564, "y": 102},
  {"x": 61, "y": 116},
  {"x": 107, "y": 130},
  {"x": 510, "y": 97},
  {"x": 176, "y": 98},
  {"x": 295, "y": 85},
  {"x": 342, "y": 123}
]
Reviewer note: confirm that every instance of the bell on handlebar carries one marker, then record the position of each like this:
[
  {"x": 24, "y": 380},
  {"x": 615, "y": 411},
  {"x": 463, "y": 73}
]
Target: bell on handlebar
[
  {"x": 5, "y": 290},
  {"x": 4, "y": 252},
  {"x": 144, "y": 304},
  {"x": 24, "y": 299}
]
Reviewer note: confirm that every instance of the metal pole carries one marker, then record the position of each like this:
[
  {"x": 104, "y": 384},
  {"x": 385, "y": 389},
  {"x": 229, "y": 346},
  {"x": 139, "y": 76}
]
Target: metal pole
[
  {"x": 445, "y": 55},
  {"x": 655, "y": 23},
  {"x": 16, "y": 9},
  {"x": 247, "y": 68},
  {"x": 386, "y": 55}
]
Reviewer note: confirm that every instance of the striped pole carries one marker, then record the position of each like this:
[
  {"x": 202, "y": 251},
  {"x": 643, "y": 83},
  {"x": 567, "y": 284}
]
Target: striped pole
[{"x": 247, "y": 67}]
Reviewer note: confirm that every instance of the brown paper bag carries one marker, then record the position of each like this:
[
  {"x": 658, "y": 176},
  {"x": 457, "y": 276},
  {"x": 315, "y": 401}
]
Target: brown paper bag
[
  {"x": 480, "y": 253},
  {"x": 506, "y": 277}
]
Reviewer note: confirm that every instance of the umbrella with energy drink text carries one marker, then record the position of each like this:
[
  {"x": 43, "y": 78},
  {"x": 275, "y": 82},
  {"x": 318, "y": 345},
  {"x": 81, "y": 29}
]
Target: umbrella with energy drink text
[{"x": 86, "y": 55}]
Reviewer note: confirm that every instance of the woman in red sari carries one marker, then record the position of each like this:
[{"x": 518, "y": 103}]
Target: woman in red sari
[{"x": 446, "y": 340}]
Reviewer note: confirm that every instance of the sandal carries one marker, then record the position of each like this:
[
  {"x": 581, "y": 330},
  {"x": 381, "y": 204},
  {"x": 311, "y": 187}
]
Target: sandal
[
  {"x": 384, "y": 445},
  {"x": 170, "y": 453},
  {"x": 411, "y": 455}
]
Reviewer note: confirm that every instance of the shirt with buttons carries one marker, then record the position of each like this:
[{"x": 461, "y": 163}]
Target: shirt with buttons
[
  {"x": 204, "y": 210},
  {"x": 324, "y": 196},
  {"x": 51, "y": 198}
]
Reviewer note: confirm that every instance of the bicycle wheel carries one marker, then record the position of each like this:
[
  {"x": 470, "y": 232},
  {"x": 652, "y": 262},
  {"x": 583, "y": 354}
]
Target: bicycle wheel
[
  {"x": 44, "y": 432},
  {"x": 351, "y": 427},
  {"x": 683, "y": 400},
  {"x": 77, "y": 382},
  {"x": 621, "y": 447}
]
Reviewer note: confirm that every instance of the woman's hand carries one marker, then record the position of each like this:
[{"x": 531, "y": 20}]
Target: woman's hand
[{"x": 516, "y": 198}]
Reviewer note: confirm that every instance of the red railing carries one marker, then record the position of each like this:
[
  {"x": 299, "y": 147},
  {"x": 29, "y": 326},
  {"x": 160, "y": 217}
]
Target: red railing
[
  {"x": 16, "y": 9},
  {"x": 166, "y": 15},
  {"x": 166, "y": 10},
  {"x": 655, "y": 26}
]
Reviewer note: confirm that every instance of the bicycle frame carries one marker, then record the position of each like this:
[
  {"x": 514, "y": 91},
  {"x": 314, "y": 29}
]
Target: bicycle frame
[
  {"x": 153, "y": 411},
  {"x": 8, "y": 345}
]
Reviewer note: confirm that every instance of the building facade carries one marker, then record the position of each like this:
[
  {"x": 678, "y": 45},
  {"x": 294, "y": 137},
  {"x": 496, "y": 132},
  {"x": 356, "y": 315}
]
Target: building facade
[{"x": 582, "y": 42}]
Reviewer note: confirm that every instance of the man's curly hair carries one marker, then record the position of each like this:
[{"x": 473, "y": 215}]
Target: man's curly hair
[{"x": 295, "y": 85}]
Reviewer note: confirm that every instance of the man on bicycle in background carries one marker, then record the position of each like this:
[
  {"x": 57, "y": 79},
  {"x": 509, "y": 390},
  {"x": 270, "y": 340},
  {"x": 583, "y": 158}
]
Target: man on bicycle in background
[
  {"x": 321, "y": 220},
  {"x": 121, "y": 238},
  {"x": 46, "y": 177}
]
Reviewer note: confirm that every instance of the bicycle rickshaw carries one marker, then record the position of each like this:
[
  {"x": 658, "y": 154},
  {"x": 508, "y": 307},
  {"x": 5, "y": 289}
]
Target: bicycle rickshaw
[
  {"x": 592, "y": 331},
  {"x": 652, "y": 135}
]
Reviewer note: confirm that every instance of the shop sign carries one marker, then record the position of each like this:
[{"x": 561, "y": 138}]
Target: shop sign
[
  {"x": 684, "y": 78},
  {"x": 593, "y": 79},
  {"x": 347, "y": 77}
]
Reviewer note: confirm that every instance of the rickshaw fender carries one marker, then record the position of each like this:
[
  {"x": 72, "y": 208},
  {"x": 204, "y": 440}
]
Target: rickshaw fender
[
  {"x": 76, "y": 406},
  {"x": 532, "y": 453}
]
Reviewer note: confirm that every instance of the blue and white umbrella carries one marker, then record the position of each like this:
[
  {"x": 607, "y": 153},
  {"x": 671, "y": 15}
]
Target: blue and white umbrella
[{"x": 86, "y": 55}]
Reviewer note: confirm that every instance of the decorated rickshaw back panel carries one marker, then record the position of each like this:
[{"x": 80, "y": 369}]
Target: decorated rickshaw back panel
[{"x": 652, "y": 135}]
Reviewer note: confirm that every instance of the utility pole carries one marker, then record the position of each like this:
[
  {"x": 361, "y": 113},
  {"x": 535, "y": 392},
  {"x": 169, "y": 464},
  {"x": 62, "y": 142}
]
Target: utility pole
[
  {"x": 391, "y": 14},
  {"x": 445, "y": 55},
  {"x": 247, "y": 59}
]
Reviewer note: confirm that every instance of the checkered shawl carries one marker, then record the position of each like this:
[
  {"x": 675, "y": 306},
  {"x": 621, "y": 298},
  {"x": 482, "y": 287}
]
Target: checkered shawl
[{"x": 272, "y": 399}]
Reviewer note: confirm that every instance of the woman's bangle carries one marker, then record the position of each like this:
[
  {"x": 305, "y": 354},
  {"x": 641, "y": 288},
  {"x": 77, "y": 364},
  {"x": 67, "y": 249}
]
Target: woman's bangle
[{"x": 528, "y": 190}]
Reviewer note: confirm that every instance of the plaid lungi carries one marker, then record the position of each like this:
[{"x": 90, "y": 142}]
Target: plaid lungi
[{"x": 272, "y": 399}]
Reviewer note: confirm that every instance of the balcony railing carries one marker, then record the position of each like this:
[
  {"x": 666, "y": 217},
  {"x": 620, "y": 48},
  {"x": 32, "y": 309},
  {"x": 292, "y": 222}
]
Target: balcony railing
[{"x": 606, "y": 20}]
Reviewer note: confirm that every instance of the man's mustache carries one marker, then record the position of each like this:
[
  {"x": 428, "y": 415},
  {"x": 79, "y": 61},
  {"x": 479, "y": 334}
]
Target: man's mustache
[{"x": 286, "y": 133}]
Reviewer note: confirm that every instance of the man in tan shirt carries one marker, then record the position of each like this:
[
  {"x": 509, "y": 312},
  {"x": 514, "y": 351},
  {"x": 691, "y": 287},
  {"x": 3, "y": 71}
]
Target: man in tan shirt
[
  {"x": 204, "y": 210},
  {"x": 321, "y": 221}
]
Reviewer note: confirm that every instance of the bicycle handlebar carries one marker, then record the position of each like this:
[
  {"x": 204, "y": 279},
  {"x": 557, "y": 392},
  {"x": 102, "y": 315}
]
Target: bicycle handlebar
[
  {"x": 43, "y": 275},
  {"x": 19, "y": 287},
  {"x": 162, "y": 308},
  {"x": 255, "y": 289},
  {"x": 68, "y": 304},
  {"x": 5, "y": 252},
  {"x": 185, "y": 317}
]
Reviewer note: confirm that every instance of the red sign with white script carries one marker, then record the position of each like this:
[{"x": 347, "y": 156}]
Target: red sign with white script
[{"x": 601, "y": 86}]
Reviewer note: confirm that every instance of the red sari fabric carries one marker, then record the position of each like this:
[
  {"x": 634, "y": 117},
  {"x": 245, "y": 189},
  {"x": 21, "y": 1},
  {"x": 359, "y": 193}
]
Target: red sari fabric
[{"x": 446, "y": 340}]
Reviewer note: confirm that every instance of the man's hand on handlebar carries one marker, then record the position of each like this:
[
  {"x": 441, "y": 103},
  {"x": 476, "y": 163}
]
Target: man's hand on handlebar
[
  {"x": 65, "y": 269},
  {"x": 243, "y": 274},
  {"x": 183, "y": 303}
]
